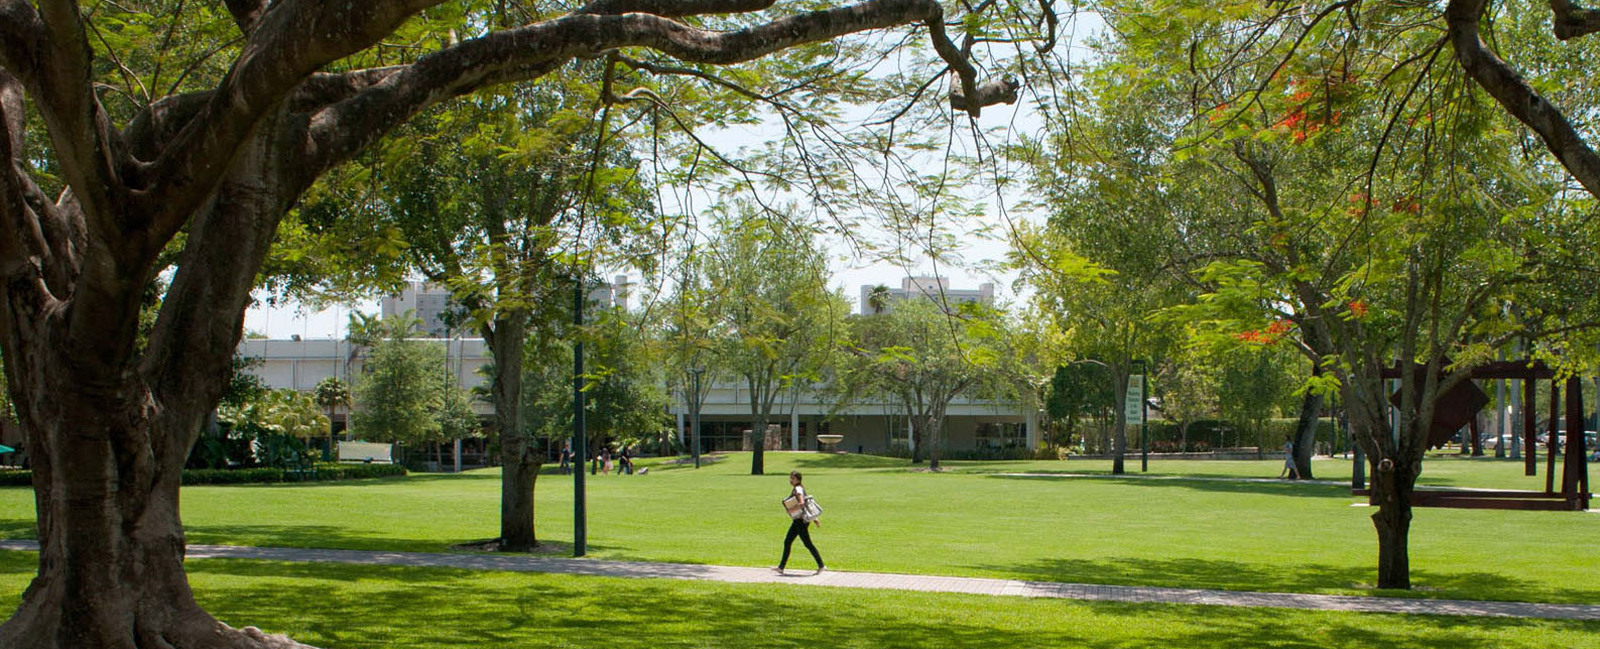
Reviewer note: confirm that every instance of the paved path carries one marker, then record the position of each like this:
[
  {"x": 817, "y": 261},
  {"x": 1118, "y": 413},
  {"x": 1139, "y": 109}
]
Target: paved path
[{"x": 972, "y": 585}]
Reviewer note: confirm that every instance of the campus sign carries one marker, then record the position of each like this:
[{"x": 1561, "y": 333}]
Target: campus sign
[{"x": 1133, "y": 406}]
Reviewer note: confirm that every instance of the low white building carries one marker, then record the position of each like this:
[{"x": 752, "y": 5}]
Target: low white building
[
  {"x": 936, "y": 289},
  {"x": 301, "y": 364},
  {"x": 429, "y": 303},
  {"x": 866, "y": 425},
  {"x": 725, "y": 420}
]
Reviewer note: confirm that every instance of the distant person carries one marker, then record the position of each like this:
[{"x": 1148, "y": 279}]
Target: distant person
[
  {"x": 795, "y": 505},
  {"x": 605, "y": 462},
  {"x": 566, "y": 458},
  {"x": 625, "y": 462},
  {"x": 1288, "y": 460}
]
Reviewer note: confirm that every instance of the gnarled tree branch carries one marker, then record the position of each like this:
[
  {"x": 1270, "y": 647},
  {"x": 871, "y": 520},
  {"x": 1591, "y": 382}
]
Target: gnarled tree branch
[
  {"x": 22, "y": 39},
  {"x": 999, "y": 91},
  {"x": 246, "y": 13},
  {"x": 674, "y": 8},
  {"x": 1572, "y": 21},
  {"x": 1517, "y": 97},
  {"x": 288, "y": 45},
  {"x": 37, "y": 240},
  {"x": 49, "y": 51},
  {"x": 528, "y": 52}
]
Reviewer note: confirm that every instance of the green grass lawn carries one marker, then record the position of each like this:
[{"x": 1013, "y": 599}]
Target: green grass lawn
[
  {"x": 968, "y": 522},
  {"x": 1441, "y": 469},
  {"x": 355, "y": 607}
]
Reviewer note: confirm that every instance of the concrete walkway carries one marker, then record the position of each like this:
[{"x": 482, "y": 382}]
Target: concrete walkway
[{"x": 839, "y": 579}]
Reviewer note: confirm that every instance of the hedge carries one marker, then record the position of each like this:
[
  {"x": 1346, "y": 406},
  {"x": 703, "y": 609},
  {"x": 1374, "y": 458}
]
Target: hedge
[{"x": 322, "y": 473}]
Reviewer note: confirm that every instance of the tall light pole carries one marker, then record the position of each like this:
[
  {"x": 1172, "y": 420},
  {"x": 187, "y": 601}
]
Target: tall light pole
[
  {"x": 580, "y": 436},
  {"x": 1144, "y": 428},
  {"x": 694, "y": 424}
]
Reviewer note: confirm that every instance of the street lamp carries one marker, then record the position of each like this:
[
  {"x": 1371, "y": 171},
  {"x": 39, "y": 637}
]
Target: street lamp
[
  {"x": 580, "y": 436},
  {"x": 694, "y": 431}
]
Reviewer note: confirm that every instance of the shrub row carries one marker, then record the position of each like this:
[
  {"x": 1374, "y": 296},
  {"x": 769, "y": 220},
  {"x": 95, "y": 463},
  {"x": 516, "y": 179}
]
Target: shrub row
[
  {"x": 1013, "y": 453},
  {"x": 322, "y": 472}
]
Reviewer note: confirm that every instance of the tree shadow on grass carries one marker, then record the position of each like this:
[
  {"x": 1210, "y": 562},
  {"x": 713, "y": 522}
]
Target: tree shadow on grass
[
  {"x": 465, "y": 476},
  {"x": 1298, "y": 578},
  {"x": 1200, "y": 483},
  {"x": 319, "y": 484},
  {"x": 816, "y": 461},
  {"x": 19, "y": 529},
  {"x": 354, "y": 607},
  {"x": 307, "y": 536}
]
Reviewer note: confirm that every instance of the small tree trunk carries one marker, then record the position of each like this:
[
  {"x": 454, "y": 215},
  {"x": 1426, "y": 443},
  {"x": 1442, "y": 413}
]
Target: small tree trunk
[
  {"x": 1305, "y": 435},
  {"x": 1392, "y": 484},
  {"x": 758, "y": 444},
  {"x": 1120, "y": 435},
  {"x": 919, "y": 444},
  {"x": 932, "y": 436},
  {"x": 1477, "y": 441},
  {"x": 1119, "y": 445}
]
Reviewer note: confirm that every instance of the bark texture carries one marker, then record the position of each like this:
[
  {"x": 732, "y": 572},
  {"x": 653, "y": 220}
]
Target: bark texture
[
  {"x": 520, "y": 459},
  {"x": 1392, "y": 484},
  {"x": 1305, "y": 435}
]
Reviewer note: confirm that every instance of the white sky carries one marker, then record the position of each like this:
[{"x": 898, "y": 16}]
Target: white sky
[{"x": 849, "y": 273}]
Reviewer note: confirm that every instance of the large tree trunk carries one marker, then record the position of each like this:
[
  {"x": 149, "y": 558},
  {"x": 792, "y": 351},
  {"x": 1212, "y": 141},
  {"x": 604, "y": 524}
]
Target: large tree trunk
[
  {"x": 1392, "y": 484},
  {"x": 520, "y": 459},
  {"x": 109, "y": 427},
  {"x": 111, "y": 542}
]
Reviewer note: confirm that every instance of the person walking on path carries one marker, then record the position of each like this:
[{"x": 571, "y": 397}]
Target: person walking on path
[
  {"x": 1288, "y": 460},
  {"x": 795, "y": 504}
]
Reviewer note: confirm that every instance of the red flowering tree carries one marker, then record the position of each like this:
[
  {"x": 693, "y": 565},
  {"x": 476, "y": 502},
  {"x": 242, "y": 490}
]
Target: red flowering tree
[{"x": 1331, "y": 186}]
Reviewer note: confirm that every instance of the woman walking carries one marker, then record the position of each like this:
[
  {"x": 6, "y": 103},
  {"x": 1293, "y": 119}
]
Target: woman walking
[
  {"x": 796, "y": 506},
  {"x": 1288, "y": 460}
]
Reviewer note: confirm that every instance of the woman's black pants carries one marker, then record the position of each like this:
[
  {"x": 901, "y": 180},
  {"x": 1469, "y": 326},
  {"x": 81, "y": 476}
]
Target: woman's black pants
[{"x": 798, "y": 528}]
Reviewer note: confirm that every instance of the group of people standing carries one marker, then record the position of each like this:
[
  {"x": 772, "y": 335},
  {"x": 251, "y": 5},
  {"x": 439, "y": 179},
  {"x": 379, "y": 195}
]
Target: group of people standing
[{"x": 602, "y": 462}]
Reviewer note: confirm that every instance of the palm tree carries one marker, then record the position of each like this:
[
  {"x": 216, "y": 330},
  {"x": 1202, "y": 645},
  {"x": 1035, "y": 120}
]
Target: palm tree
[
  {"x": 332, "y": 392},
  {"x": 878, "y": 299}
]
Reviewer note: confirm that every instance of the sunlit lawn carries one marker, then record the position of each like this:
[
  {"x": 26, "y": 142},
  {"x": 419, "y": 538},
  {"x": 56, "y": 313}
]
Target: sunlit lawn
[
  {"x": 1441, "y": 469},
  {"x": 970, "y": 521},
  {"x": 356, "y": 607}
]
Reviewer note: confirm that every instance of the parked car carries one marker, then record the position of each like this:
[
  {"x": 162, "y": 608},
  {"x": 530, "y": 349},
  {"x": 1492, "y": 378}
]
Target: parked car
[{"x": 1590, "y": 438}]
